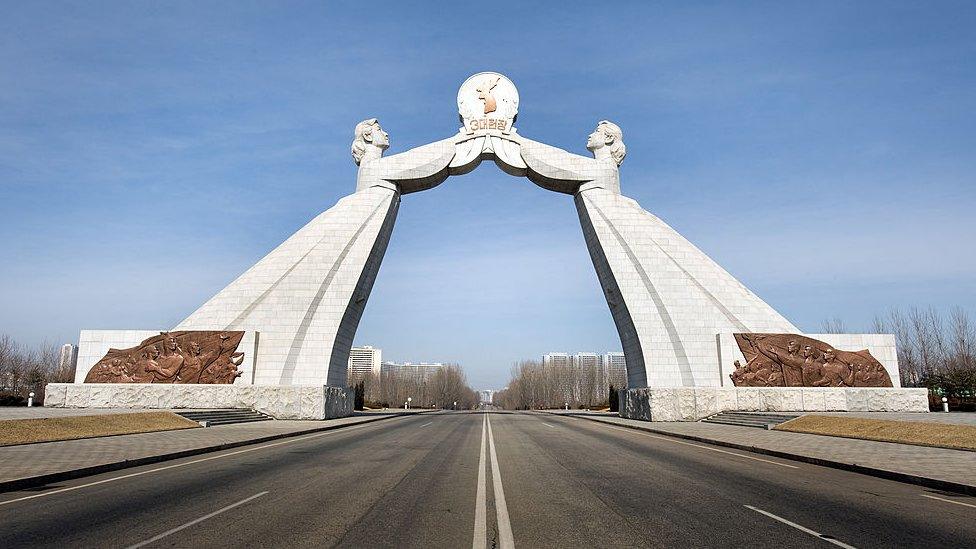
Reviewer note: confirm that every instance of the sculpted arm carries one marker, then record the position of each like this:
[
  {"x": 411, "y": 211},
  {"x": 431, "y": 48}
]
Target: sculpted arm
[
  {"x": 555, "y": 169},
  {"x": 421, "y": 168},
  {"x": 415, "y": 170},
  {"x": 561, "y": 171}
]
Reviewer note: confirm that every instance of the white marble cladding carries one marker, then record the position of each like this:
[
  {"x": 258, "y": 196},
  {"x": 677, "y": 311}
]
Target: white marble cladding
[
  {"x": 298, "y": 295},
  {"x": 94, "y": 344},
  {"x": 693, "y": 404},
  {"x": 676, "y": 297},
  {"x": 278, "y": 401},
  {"x": 882, "y": 347}
]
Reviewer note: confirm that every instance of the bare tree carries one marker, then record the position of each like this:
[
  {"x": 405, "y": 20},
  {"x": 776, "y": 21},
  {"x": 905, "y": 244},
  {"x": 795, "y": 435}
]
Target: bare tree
[
  {"x": 833, "y": 326},
  {"x": 535, "y": 385}
]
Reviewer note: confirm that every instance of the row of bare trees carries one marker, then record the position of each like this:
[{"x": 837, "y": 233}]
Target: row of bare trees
[
  {"x": 935, "y": 350},
  {"x": 534, "y": 385},
  {"x": 439, "y": 389},
  {"x": 25, "y": 369}
]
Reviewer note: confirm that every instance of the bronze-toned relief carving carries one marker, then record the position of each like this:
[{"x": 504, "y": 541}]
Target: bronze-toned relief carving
[
  {"x": 790, "y": 360},
  {"x": 173, "y": 357}
]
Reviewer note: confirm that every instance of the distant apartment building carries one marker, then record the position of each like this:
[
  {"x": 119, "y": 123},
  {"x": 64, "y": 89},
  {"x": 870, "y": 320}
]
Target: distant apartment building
[
  {"x": 587, "y": 360},
  {"x": 613, "y": 365},
  {"x": 364, "y": 361},
  {"x": 615, "y": 368},
  {"x": 421, "y": 371},
  {"x": 68, "y": 359},
  {"x": 559, "y": 360}
]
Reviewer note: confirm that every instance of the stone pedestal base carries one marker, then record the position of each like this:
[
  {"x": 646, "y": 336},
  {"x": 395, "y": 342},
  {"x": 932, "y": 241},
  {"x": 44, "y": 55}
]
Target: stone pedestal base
[
  {"x": 278, "y": 401},
  {"x": 693, "y": 404}
]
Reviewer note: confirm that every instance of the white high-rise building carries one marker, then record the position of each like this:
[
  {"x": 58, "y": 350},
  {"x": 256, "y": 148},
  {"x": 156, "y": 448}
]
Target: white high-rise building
[
  {"x": 421, "y": 371},
  {"x": 615, "y": 368},
  {"x": 586, "y": 360},
  {"x": 364, "y": 360},
  {"x": 557, "y": 359},
  {"x": 68, "y": 359}
]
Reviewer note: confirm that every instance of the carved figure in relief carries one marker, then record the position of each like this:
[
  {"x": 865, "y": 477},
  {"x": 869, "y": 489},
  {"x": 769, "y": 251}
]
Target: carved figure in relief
[
  {"x": 173, "y": 357},
  {"x": 834, "y": 373},
  {"x": 223, "y": 370},
  {"x": 772, "y": 360},
  {"x": 169, "y": 362},
  {"x": 143, "y": 368},
  {"x": 196, "y": 362},
  {"x": 810, "y": 367}
]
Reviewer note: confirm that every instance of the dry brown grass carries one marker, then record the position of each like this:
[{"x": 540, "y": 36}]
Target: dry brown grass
[
  {"x": 27, "y": 431},
  {"x": 920, "y": 433}
]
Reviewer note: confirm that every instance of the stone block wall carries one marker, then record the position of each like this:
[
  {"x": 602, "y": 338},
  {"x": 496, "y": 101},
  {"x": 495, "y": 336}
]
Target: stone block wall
[
  {"x": 279, "y": 402},
  {"x": 693, "y": 404}
]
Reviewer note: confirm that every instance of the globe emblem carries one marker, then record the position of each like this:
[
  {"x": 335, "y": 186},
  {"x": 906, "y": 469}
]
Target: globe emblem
[{"x": 488, "y": 101}]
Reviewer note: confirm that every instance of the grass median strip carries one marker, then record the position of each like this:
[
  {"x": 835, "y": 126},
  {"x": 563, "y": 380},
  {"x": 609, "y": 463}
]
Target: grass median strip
[
  {"x": 919, "y": 433},
  {"x": 51, "y": 429}
]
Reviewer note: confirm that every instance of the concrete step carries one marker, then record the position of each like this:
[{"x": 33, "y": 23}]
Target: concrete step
[
  {"x": 220, "y": 415},
  {"x": 234, "y": 421},
  {"x": 747, "y": 419},
  {"x": 224, "y": 416}
]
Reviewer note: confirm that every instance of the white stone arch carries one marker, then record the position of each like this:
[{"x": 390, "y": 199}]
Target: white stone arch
[{"x": 668, "y": 300}]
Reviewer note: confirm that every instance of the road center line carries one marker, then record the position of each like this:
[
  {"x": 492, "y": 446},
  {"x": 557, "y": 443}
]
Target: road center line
[
  {"x": 480, "y": 540},
  {"x": 195, "y": 521},
  {"x": 505, "y": 538},
  {"x": 828, "y": 539},
  {"x": 703, "y": 447},
  {"x": 949, "y": 501},
  {"x": 158, "y": 469}
]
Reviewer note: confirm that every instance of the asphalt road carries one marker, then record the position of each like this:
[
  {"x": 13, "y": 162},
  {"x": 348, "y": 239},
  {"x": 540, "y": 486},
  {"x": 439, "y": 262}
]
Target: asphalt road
[{"x": 473, "y": 479}]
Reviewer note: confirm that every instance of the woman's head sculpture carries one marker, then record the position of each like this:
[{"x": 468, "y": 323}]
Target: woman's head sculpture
[
  {"x": 369, "y": 135},
  {"x": 607, "y": 136}
]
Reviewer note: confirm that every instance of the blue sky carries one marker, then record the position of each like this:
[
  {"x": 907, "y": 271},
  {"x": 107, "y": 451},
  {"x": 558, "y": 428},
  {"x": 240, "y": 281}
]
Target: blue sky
[{"x": 152, "y": 151}]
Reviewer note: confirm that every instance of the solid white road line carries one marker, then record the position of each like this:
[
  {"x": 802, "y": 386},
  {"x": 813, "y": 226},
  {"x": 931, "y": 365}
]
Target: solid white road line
[
  {"x": 801, "y": 528},
  {"x": 480, "y": 540},
  {"x": 669, "y": 439},
  {"x": 158, "y": 469},
  {"x": 949, "y": 501},
  {"x": 505, "y": 538},
  {"x": 195, "y": 521}
]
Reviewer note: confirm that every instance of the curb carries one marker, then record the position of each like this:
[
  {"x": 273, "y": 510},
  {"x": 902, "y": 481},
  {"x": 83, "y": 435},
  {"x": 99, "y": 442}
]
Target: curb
[
  {"x": 907, "y": 478},
  {"x": 40, "y": 480}
]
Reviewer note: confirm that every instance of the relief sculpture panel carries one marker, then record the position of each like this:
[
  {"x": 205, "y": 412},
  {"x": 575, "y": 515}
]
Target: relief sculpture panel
[
  {"x": 790, "y": 360},
  {"x": 173, "y": 357}
]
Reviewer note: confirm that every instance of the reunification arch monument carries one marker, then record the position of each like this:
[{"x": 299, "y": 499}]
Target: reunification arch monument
[{"x": 696, "y": 340}]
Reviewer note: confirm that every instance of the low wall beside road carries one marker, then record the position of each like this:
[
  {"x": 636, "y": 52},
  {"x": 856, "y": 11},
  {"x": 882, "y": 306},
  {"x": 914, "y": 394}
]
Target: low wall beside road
[
  {"x": 693, "y": 404},
  {"x": 278, "y": 401}
]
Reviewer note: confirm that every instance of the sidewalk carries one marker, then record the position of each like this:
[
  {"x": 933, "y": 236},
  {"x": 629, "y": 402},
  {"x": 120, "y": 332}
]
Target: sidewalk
[
  {"x": 939, "y": 468},
  {"x": 36, "y": 464}
]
